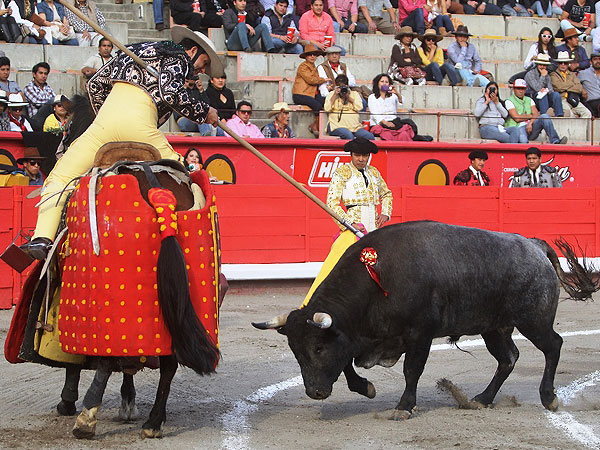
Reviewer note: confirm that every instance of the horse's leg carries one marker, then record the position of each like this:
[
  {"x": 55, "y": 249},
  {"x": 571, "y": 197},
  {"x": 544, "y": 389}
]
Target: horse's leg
[
  {"x": 128, "y": 410},
  {"x": 85, "y": 425},
  {"x": 168, "y": 367},
  {"x": 70, "y": 392}
]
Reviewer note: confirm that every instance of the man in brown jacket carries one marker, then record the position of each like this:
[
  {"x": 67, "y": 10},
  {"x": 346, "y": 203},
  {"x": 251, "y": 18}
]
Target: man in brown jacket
[{"x": 569, "y": 87}]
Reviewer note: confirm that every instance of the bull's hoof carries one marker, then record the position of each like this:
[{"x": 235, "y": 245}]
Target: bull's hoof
[
  {"x": 400, "y": 415},
  {"x": 152, "y": 434},
  {"x": 371, "y": 392},
  {"x": 85, "y": 425},
  {"x": 367, "y": 389},
  {"x": 65, "y": 408},
  {"x": 128, "y": 411},
  {"x": 553, "y": 405}
]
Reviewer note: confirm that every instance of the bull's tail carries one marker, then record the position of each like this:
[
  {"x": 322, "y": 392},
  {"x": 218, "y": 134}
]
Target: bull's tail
[
  {"x": 581, "y": 285},
  {"x": 192, "y": 346}
]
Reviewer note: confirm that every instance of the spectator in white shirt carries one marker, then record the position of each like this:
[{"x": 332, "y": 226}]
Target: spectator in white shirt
[{"x": 384, "y": 102}]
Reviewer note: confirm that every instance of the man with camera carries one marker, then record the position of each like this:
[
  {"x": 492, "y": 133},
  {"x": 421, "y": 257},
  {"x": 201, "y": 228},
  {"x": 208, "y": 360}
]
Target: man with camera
[{"x": 343, "y": 106}]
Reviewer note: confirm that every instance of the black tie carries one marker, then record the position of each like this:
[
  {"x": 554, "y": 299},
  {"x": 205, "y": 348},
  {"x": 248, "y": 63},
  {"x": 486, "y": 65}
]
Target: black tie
[
  {"x": 364, "y": 176},
  {"x": 535, "y": 181}
]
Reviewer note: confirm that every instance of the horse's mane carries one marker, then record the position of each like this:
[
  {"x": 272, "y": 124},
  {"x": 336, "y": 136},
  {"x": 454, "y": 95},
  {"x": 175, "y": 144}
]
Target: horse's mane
[{"x": 81, "y": 117}]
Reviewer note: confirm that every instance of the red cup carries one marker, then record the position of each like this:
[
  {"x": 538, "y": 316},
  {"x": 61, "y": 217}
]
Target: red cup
[
  {"x": 366, "y": 125},
  {"x": 328, "y": 40},
  {"x": 241, "y": 18},
  {"x": 291, "y": 32},
  {"x": 196, "y": 6},
  {"x": 586, "y": 19}
]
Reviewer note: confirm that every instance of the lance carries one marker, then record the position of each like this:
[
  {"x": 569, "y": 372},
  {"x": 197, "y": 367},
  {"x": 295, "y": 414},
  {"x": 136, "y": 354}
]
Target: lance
[{"x": 222, "y": 124}]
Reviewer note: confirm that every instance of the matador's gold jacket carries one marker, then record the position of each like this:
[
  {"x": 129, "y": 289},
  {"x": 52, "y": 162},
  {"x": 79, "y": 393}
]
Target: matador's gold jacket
[{"x": 348, "y": 187}]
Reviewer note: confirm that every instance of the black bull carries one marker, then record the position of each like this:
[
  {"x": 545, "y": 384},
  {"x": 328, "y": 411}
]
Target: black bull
[{"x": 442, "y": 280}]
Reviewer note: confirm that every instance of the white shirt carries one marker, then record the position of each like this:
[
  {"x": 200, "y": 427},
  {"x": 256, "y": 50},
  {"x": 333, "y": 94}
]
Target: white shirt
[
  {"x": 477, "y": 175},
  {"x": 533, "y": 51},
  {"x": 383, "y": 108},
  {"x": 15, "y": 127},
  {"x": 323, "y": 87}
]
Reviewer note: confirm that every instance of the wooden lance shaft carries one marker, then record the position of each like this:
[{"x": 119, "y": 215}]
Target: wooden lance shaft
[
  {"x": 117, "y": 44},
  {"x": 241, "y": 140},
  {"x": 288, "y": 178}
]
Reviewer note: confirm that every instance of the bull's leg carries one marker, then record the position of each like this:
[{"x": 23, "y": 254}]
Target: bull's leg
[
  {"x": 358, "y": 384},
  {"x": 500, "y": 344},
  {"x": 414, "y": 363},
  {"x": 70, "y": 392},
  {"x": 549, "y": 342},
  {"x": 168, "y": 367},
  {"x": 128, "y": 411},
  {"x": 85, "y": 425}
]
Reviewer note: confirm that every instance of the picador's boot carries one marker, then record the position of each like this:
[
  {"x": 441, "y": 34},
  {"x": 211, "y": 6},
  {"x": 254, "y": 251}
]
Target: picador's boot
[{"x": 37, "y": 248}]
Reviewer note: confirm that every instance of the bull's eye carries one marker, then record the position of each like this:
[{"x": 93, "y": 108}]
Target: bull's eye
[{"x": 318, "y": 349}]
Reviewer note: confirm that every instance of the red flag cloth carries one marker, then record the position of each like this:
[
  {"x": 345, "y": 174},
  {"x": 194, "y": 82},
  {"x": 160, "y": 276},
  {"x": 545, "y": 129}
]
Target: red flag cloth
[{"x": 109, "y": 302}]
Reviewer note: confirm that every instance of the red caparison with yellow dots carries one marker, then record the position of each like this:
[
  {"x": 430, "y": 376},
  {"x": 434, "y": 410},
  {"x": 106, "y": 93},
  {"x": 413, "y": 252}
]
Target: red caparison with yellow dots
[{"x": 109, "y": 302}]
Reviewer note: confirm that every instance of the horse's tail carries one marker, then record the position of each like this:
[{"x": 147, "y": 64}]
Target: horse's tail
[
  {"x": 582, "y": 284},
  {"x": 191, "y": 343}
]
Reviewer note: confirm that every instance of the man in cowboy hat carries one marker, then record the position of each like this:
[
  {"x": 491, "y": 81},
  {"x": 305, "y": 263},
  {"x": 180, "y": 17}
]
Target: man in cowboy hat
[
  {"x": 280, "y": 127},
  {"x": 474, "y": 174},
  {"x": 131, "y": 104},
  {"x": 577, "y": 52},
  {"x": 4, "y": 122},
  {"x": 534, "y": 174},
  {"x": 590, "y": 80},
  {"x": 16, "y": 105},
  {"x": 31, "y": 166},
  {"x": 568, "y": 86},
  {"x": 331, "y": 68},
  {"x": 524, "y": 120},
  {"x": 539, "y": 86},
  {"x": 465, "y": 58}
]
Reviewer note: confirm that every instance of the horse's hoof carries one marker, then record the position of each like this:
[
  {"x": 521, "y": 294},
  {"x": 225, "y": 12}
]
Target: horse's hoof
[
  {"x": 85, "y": 425},
  {"x": 65, "y": 408},
  {"x": 128, "y": 411},
  {"x": 553, "y": 405},
  {"x": 152, "y": 434},
  {"x": 401, "y": 415}
]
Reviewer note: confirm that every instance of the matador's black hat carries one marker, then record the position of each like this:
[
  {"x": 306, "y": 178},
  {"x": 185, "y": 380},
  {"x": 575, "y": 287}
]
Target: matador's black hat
[
  {"x": 361, "y": 146},
  {"x": 533, "y": 151},
  {"x": 478, "y": 154}
]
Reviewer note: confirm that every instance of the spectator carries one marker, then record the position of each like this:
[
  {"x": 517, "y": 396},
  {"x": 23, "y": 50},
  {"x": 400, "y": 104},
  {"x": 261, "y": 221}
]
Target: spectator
[
  {"x": 432, "y": 58},
  {"x": 440, "y": 17},
  {"x": 193, "y": 159},
  {"x": 278, "y": 21},
  {"x": 37, "y": 92},
  {"x": 241, "y": 33},
  {"x": 574, "y": 18},
  {"x": 474, "y": 174},
  {"x": 5, "y": 84},
  {"x": 465, "y": 58},
  {"x": 543, "y": 8},
  {"x": 345, "y": 16},
  {"x": 254, "y": 10},
  {"x": 4, "y": 120},
  {"x": 524, "y": 119},
  {"x": 16, "y": 105},
  {"x": 568, "y": 86},
  {"x": 343, "y": 105},
  {"x": 315, "y": 25},
  {"x": 86, "y": 36},
  {"x": 94, "y": 62},
  {"x": 56, "y": 24},
  {"x": 196, "y": 14},
  {"x": 9, "y": 29},
  {"x": 331, "y": 68},
  {"x": 410, "y": 14},
  {"x": 481, "y": 7},
  {"x": 405, "y": 62},
  {"x": 280, "y": 127},
  {"x": 221, "y": 98},
  {"x": 27, "y": 15},
  {"x": 491, "y": 114},
  {"x": 544, "y": 44},
  {"x": 57, "y": 121},
  {"x": 539, "y": 87},
  {"x": 577, "y": 52},
  {"x": 304, "y": 5},
  {"x": 370, "y": 14},
  {"x": 240, "y": 122},
  {"x": 590, "y": 80},
  {"x": 521, "y": 8},
  {"x": 384, "y": 102},
  {"x": 194, "y": 89},
  {"x": 534, "y": 174},
  {"x": 304, "y": 91},
  {"x": 454, "y": 7},
  {"x": 557, "y": 7},
  {"x": 31, "y": 166},
  {"x": 270, "y": 4}
]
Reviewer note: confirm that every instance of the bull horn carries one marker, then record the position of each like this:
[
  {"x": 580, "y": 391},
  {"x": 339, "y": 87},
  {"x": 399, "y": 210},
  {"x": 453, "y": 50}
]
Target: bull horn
[
  {"x": 321, "y": 320},
  {"x": 275, "y": 322}
]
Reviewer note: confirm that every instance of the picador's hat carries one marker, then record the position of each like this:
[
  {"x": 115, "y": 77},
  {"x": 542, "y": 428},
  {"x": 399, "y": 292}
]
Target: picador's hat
[
  {"x": 179, "y": 33},
  {"x": 478, "y": 154},
  {"x": 361, "y": 146}
]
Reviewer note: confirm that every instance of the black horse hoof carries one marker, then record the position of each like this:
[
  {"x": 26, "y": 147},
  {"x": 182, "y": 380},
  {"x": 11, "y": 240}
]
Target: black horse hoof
[{"x": 65, "y": 408}]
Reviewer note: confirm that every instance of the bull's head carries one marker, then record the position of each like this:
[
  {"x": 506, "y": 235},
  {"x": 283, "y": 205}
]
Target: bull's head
[{"x": 322, "y": 350}]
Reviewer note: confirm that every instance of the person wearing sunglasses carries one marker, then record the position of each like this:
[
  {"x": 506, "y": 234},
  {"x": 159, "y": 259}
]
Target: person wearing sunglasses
[
  {"x": 544, "y": 44},
  {"x": 240, "y": 122},
  {"x": 433, "y": 59},
  {"x": 31, "y": 166}
]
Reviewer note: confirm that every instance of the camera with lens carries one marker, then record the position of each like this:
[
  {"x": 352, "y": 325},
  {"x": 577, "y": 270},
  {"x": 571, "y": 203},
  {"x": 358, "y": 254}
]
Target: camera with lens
[
  {"x": 344, "y": 90},
  {"x": 493, "y": 90}
]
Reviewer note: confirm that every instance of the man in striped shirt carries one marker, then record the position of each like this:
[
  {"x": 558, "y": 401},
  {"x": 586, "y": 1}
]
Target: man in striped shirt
[{"x": 37, "y": 92}]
